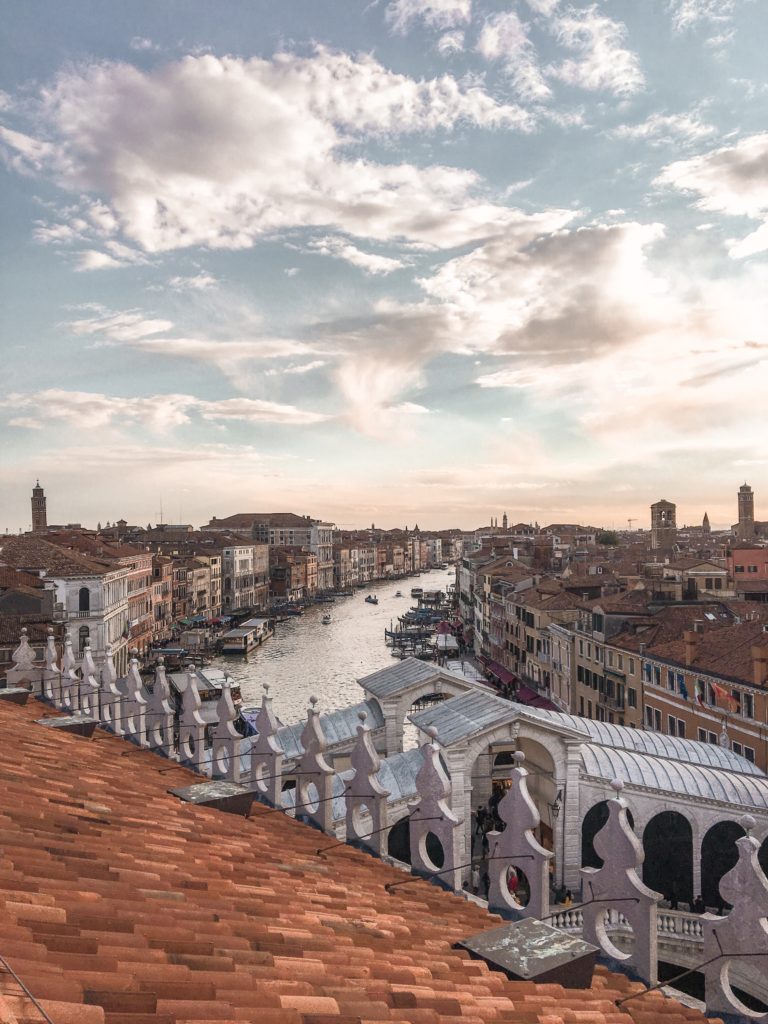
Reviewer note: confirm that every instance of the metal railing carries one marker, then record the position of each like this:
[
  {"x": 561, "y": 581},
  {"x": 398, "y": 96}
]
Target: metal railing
[{"x": 24, "y": 989}]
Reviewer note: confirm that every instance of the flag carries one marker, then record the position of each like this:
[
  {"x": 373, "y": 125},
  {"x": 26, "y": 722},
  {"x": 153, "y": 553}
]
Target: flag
[{"x": 720, "y": 691}]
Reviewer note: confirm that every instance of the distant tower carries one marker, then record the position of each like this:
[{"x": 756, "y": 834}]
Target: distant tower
[
  {"x": 746, "y": 527},
  {"x": 39, "y": 515},
  {"x": 504, "y": 522},
  {"x": 663, "y": 526},
  {"x": 705, "y": 527}
]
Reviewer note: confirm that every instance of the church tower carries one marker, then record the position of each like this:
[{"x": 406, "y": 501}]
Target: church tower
[
  {"x": 504, "y": 522},
  {"x": 746, "y": 527},
  {"x": 663, "y": 526},
  {"x": 705, "y": 527},
  {"x": 39, "y": 515}
]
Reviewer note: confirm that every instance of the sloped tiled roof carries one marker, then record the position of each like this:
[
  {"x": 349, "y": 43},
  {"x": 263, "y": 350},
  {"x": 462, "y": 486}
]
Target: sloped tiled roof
[
  {"x": 28, "y": 552},
  {"x": 121, "y": 905},
  {"x": 388, "y": 682}
]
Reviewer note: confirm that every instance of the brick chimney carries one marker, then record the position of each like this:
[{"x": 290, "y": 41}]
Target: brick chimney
[
  {"x": 690, "y": 640},
  {"x": 759, "y": 665}
]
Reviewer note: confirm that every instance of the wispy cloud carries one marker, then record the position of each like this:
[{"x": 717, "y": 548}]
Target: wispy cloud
[
  {"x": 603, "y": 61},
  {"x": 437, "y": 14},
  {"x": 343, "y": 249}
]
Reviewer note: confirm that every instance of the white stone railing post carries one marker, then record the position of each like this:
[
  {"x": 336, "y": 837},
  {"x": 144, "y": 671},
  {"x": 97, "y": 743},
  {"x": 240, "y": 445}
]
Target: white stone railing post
[
  {"x": 314, "y": 782},
  {"x": 69, "y": 687},
  {"x": 135, "y": 705},
  {"x": 366, "y": 798},
  {"x": 225, "y": 750},
  {"x": 51, "y": 672},
  {"x": 24, "y": 672},
  {"x": 744, "y": 930},
  {"x": 267, "y": 754},
  {"x": 192, "y": 726},
  {"x": 110, "y": 695},
  {"x": 431, "y": 814},
  {"x": 617, "y": 886},
  {"x": 517, "y": 848},
  {"x": 160, "y": 732},
  {"x": 89, "y": 684}
]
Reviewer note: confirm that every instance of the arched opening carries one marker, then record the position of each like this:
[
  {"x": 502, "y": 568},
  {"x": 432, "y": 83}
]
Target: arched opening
[
  {"x": 668, "y": 866},
  {"x": 762, "y": 856},
  {"x": 84, "y": 634},
  {"x": 399, "y": 840},
  {"x": 594, "y": 819},
  {"x": 84, "y": 600},
  {"x": 719, "y": 854}
]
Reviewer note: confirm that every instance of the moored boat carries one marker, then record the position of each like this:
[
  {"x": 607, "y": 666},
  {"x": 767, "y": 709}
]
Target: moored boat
[{"x": 372, "y": 599}]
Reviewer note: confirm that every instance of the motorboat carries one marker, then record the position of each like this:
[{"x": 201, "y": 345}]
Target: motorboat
[
  {"x": 398, "y": 593},
  {"x": 372, "y": 599},
  {"x": 327, "y": 619}
]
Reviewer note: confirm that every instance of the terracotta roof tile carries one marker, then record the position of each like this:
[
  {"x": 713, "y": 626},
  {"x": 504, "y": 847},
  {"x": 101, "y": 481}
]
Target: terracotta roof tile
[{"x": 124, "y": 906}]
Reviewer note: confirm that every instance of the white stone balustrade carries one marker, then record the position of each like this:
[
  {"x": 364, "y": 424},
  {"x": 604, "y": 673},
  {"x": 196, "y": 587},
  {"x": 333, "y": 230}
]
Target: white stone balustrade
[
  {"x": 267, "y": 754},
  {"x": 160, "y": 717},
  {"x": 617, "y": 887},
  {"x": 226, "y": 740},
  {"x": 89, "y": 684},
  {"x": 744, "y": 931},
  {"x": 69, "y": 684},
  {"x": 516, "y": 849},
  {"x": 110, "y": 696},
  {"x": 192, "y": 726},
  {"x": 51, "y": 672},
  {"x": 431, "y": 814},
  {"x": 25, "y": 671},
  {"x": 314, "y": 782},
  {"x": 366, "y": 798},
  {"x": 135, "y": 705}
]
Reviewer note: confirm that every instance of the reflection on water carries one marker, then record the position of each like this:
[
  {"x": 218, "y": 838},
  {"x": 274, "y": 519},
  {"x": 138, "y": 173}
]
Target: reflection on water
[{"x": 306, "y": 658}]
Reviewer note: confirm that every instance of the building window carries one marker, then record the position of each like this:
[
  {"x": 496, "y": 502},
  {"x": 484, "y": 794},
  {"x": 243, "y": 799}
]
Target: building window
[
  {"x": 84, "y": 600},
  {"x": 738, "y": 568},
  {"x": 748, "y": 705},
  {"x": 632, "y": 697},
  {"x": 670, "y": 680},
  {"x": 589, "y": 709},
  {"x": 736, "y": 748},
  {"x": 681, "y": 728},
  {"x": 581, "y": 706},
  {"x": 85, "y": 634},
  {"x": 631, "y": 666},
  {"x": 609, "y": 659},
  {"x": 621, "y": 662},
  {"x": 749, "y": 753},
  {"x": 751, "y": 568}
]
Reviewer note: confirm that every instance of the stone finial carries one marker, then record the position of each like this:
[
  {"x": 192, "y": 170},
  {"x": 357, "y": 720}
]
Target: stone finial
[
  {"x": 110, "y": 695},
  {"x": 192, "y": 726},
  {"x": 315, "y": 782},
  {"x": 160, "y": 714},
  {"x": 225, "y": 751},
  {"x": 23, "y": 657},
  {"x": 51, "y": 672},
  {"x": 515, "y": 850},
  {"x": 619, "y": 880},
  {"x": 747, "y": 822},
  {"x": 135, "y": 705},
  {"x": 366, "y": 798},
  {"x": 267, "y": 754},
  {"x": 431, "y": 813},
  {"x": 617, "y": 786},
  {"x": 89, "y": 683},
  {"x": 745, "y": 887},
  {"x": 69, "y": 684}
]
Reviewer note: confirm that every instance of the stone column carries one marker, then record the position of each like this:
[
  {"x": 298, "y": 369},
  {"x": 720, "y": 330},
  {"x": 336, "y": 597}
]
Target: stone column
[{"x": 568, "y": 825}]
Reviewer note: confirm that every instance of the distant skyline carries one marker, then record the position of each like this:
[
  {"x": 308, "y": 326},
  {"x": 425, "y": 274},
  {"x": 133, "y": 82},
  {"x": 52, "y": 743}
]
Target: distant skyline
[{"x": 378, "y": 261}]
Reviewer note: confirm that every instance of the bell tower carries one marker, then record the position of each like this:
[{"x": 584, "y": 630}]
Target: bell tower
[{"x": 39, "y": 514}]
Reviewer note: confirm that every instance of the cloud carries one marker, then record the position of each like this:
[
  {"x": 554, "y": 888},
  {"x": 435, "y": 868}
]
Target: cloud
[
  {"x": 296, "y": 368},
  {"x": 504, "y": 37},
  {"x": 603, "y": 62},
  {"x": 436, "y": 14},
  {"x": 731, "y": 180},
  {"x": 222, "y": 151},
  {"x": 142, "y": 44},
  {"x": 129, "y": 326},
  {"x": 666, "y": 129},
  {"x": 688, "y": 13},
  {"x": 450, "y": 43},
  {"x": 199, "y": 282},
  {"x": 342, "y": 249},
  {"x": 91, "y": 410}
]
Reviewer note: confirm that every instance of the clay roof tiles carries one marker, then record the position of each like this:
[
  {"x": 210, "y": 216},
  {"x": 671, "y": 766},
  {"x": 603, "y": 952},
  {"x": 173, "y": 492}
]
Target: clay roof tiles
[
  {"x": 121, "y": 905},
  {"x": 29, "y": 552}
]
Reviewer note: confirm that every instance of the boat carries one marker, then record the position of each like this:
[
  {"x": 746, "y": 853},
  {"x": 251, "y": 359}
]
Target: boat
[
  {"x": 252, "y": 633},
  {"x": 372, "y": 599},
  {"x": 327, "y": 619},
  {"x": 398, "y": 593},
  {"x": 417, "y": 591}
]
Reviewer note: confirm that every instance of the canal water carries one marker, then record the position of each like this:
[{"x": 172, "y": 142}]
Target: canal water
[{"x": 306, "y": 658}]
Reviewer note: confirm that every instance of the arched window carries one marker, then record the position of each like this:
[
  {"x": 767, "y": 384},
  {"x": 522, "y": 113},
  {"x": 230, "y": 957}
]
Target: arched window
[
  {"x": 85, "y": 635},
  {"x": 668, "y": 845},
  {"x": 84, "y": 600}
]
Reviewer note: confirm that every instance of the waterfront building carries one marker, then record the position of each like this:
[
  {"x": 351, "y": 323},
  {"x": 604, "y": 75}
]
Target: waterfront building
[
  {"x": 90, "y": 593},
  {"x": 245, "y": 576},
  {"x": 162, "y": 597}
]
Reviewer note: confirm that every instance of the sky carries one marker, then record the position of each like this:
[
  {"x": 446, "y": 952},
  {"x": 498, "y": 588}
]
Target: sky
[{"x": 387, "y": 261}]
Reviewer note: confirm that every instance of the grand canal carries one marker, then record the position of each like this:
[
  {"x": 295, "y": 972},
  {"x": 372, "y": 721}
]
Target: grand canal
[{"x": 306, "y": 658}]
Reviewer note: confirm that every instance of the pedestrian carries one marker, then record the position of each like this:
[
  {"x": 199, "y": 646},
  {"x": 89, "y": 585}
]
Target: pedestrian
[
  {"x": 480, "y": 816},
  {"x": 475, "y": 879},
  {"x": 699, "y": 907}
]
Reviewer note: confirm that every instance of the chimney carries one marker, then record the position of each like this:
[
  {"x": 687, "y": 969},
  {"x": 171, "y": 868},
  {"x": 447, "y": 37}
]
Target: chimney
[
  {"x": 690, "y": 640},
  {"x": 760, "y": 664},
  {"x": 643, "y": 648}
]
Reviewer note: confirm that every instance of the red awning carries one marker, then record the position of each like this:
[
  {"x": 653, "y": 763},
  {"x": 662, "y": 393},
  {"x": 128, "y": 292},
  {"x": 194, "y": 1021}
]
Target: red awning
[
  {"x": 501, "y": 673},
  {"x": 525, "y": 695}
]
